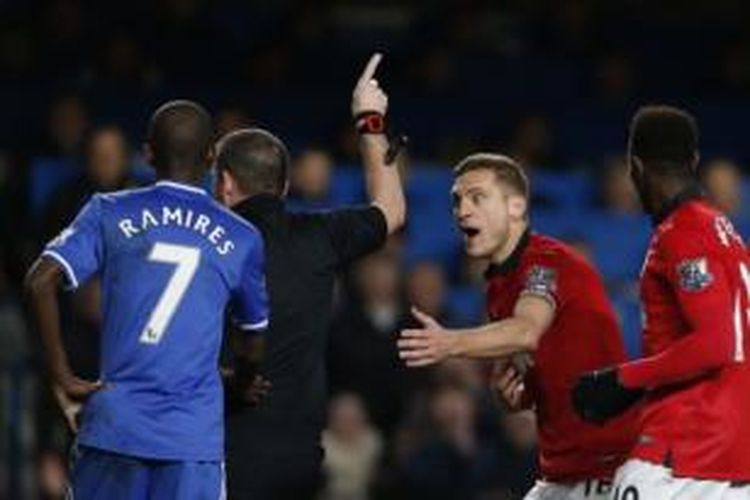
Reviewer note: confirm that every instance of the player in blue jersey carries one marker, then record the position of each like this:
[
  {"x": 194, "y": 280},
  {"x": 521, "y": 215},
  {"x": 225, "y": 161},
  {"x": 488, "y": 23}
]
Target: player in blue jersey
[{"x": 171, "y": 260}]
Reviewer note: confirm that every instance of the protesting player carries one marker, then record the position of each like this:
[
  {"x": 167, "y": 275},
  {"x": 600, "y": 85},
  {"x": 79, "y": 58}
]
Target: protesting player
[
  {"x": 170, "y": 260},
  {"x": 543, "y": 299},
  {"x": 693, "y": 440}
]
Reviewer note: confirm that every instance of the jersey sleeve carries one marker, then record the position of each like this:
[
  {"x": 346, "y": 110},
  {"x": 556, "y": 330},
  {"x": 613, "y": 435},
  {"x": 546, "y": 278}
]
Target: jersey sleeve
[
  {"x": 79, "y": 248},
  {"x": 355, "y": 232},
  {"x": 250, "y": 300},
  {"x": 542, "y": 278},
  {"x": 696, "y": 274}
]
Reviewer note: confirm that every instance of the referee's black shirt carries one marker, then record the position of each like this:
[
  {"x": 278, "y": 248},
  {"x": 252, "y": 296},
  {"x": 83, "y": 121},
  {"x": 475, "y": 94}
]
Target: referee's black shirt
[{"x": 304, "y": 252}]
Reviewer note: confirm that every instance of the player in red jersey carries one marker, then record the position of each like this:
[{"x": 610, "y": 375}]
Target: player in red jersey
[
  {"x": 543, "y": 299},
  {"x": 694, "y": 433}
]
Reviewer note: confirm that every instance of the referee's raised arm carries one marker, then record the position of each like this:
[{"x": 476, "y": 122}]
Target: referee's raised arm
[{"x": 369, "y": 109}]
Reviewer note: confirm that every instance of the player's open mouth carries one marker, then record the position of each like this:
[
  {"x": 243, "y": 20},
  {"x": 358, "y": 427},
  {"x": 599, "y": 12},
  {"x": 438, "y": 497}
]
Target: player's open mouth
[{"x": 470, "y": 232}]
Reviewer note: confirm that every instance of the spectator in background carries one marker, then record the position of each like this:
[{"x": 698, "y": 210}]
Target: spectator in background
[
  {"x": 231, "y": 118},
  {"x": 615, "y": 80},
  {"x": 362, "y": 346},
  {"x": 533, "y": 142},
  {"x": 353, "y": 450},
  {"x": 106, "y": 169},
  {"x": 618, "y": 196},
  {"x": 310, "y": 179},
  {"x": 519, "y": 467},
  {"x": 68, "y": 122},
  {"x": 13, "y": 349},
  {"x": 450, "y": 461},
  {"x": 426, "y": 288},
  {"x": 722, "y": 181}
]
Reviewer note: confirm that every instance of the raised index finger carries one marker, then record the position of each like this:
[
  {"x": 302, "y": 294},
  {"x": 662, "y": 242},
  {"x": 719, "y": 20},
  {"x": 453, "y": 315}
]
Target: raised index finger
[{"x": 372, "y": 66}]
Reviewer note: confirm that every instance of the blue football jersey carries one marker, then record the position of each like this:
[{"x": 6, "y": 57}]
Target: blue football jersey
[{"x": 171, "y": 260}]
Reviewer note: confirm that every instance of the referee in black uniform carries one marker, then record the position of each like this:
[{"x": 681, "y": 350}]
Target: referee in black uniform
[{"x": 273, "y": 450}]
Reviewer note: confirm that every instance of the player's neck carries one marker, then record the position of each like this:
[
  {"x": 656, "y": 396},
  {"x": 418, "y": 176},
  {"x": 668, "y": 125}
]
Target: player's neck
[
  {"x": 516, "y": 233},
  {"x": 181, "y": 178},
  {"x": 665, "y": 190}
]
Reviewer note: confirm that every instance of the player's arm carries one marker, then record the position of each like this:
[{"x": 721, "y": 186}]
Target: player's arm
[
  {"x": 710, "y": 344},
  {"x": 369, "y": 107},
  {"x": 69, "y": 260},
  {"x": 532, "y": 316},
  {"x": 250, "y": 313},
  {"x": 699, "y": 282},
  {"x": 42, "y": 283}
]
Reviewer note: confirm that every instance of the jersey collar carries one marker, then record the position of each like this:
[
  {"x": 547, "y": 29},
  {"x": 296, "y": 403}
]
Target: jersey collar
[
  {"x": 690, "y": 193},
  {"x": 259, "y": 204},
  {"x": 183, "y": 187},
  {"x": 513, "y": 260}
]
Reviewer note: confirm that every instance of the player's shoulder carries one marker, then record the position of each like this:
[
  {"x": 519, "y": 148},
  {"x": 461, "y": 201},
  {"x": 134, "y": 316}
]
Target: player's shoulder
[
  {"x": 696, "y": 221},
  {"x": 548, "y": 251},
  {"x": 109, "y": 202},
  {"x": 231, "y": 218}
]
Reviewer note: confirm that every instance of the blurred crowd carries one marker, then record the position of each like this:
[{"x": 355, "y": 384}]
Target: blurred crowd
[{"x": 551, "y": 83}]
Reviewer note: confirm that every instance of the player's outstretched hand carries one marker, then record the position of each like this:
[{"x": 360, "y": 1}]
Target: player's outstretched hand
[
  {"x": 507, "y": 384},
  {"x": 599, "y": 396},
  {"x": 427, "y": 345},
  {"x": 368, "y": 97}
]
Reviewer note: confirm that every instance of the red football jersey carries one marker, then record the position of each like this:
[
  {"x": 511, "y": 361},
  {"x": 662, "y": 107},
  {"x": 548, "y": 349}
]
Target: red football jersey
[
  {"x": 694, "y": 288},
  {"x": 584, "y": 336}
]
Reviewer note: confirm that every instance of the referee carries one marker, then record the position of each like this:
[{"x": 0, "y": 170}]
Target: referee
[{"x": 273, "y": 450}]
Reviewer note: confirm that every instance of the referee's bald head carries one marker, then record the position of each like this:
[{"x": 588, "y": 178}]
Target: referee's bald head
[{"x": 256, "y": 159}]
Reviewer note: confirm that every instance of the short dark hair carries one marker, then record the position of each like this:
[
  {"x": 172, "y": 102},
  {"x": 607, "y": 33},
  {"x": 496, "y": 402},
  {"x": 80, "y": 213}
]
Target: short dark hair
[
  {"x": 665, "y": 138},
  {"x": 506, "y": 169},
  {"x": 180, "y": 135},
  {"x": 256, "y": 159}
]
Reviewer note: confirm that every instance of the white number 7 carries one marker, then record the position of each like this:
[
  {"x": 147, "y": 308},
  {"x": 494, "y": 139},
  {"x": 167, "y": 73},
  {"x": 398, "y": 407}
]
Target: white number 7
[
  {"x": 739, "y": 321},
  {"x": 186, "y": 259}
]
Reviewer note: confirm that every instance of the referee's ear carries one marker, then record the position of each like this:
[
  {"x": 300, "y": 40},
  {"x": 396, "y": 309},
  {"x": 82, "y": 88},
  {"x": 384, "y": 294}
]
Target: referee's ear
[{"x": 285, "y": 189}]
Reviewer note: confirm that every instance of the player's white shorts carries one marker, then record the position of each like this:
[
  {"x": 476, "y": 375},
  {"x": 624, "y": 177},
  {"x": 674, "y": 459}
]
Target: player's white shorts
[
  {"x": 641, "y": 480},
  {"x": 591, "y": 489}
]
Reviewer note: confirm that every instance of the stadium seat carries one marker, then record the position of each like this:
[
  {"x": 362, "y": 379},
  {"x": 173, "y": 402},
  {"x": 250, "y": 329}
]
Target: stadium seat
[
  {"x": 431, "y": 231},
  {"x": 561, "y": 190},
  {"x": 347, "y": 186},
  {"x": 629, "y": 312},
  {"x": 465, "y": 306},
  {"x": 46, "y": 176},
  {"x": 618, "y": 242}
]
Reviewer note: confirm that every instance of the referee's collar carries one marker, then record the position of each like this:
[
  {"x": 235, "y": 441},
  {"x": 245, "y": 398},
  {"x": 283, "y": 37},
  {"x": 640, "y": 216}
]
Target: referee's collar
[
  {"x": 690, "y": 193},
  {"x": 259, "y": 204},
  {"x": 513, "y": 260}
]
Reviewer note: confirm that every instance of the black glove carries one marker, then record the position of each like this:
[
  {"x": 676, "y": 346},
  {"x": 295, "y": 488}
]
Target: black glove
[{"x": 599, "y": 396}]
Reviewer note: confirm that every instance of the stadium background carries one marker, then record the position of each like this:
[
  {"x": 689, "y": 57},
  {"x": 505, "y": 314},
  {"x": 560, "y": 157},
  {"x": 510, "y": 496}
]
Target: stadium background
[{"x": 552, "y": 83}]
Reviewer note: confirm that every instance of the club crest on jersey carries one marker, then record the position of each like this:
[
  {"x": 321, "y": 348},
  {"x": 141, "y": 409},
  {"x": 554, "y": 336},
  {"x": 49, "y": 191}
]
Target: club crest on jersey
[
  {"x": 694, "y": 274},
  {"x": 541, "y": 280}
]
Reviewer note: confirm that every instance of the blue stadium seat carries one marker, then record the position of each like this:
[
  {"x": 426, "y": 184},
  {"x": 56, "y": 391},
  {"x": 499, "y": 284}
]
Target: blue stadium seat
[
  {"x": 465, "y": 306},
  {"x": 629, "y": 312},
  {"x": 347, "y": 186},
  {"x": 618, "y": 243},
  {"x": 46, "y": 176},
  {"x": 428, "y": 186},
  {"x": 431, "y": 231},
  {"x": 561, "y": 224},
  {"x": 566, "y": 190}
]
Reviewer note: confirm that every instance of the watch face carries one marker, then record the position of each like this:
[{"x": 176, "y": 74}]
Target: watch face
[{"x": 375, "y": 123}]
